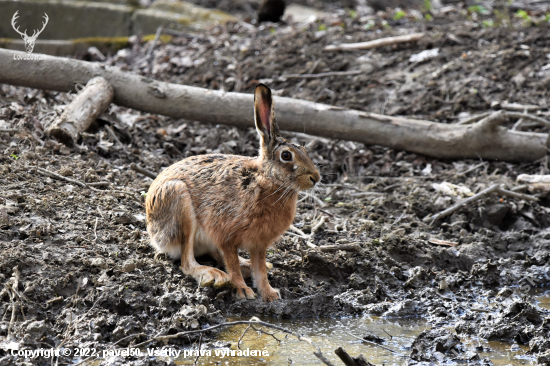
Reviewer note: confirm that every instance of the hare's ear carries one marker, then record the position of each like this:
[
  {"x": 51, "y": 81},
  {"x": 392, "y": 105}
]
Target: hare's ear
[{"x": 264, "y": 117}]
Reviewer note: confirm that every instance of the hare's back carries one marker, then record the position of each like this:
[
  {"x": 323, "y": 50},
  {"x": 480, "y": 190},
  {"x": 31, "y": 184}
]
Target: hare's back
[{"x": 210, "y": 170}]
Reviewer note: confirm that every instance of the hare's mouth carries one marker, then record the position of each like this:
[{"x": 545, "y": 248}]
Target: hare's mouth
[{"x": 313, "y": 181}]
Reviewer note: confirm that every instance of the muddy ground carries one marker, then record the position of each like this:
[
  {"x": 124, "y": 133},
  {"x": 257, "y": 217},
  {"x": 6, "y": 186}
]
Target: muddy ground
[{"x": 76, "y": 267}]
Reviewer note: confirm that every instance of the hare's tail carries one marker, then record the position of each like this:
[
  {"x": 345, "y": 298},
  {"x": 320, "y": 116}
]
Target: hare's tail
[{"x": 169, "y": 217}]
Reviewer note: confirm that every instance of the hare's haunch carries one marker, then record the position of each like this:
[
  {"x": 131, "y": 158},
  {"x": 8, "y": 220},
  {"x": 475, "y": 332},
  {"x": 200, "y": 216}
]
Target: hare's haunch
[{"x": 217, "y": 204}]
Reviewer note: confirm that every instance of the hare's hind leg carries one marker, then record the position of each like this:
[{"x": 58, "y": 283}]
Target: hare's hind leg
[{"x": 172, "y": 226}]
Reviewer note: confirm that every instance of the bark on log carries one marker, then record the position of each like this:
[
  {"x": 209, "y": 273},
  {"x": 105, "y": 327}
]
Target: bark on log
[
  {"x": 484, "y": 139},
  {"x": 89, "y": 103}
]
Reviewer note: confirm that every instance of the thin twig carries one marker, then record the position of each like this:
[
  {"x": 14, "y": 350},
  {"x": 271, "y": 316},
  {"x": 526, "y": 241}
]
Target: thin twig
[
  {"x": 222, "y": 325},
  {"x": 492, "y": 121},
  {"x": 376, "y": 43},
  {"x": 242, "y": 335},
  {"x": 528, "y": 117},
  {"x": 321, "y": 357},
  {"x": 493, "y": 188},
  {"x": 154, "y": 44},
  {"x": 520, "y": 196},
  {"x": 79, "y": 183},
  {"x": 442, "y": 242},
  {"x": 99, "y": 184},
  {"x": 321, "y": 74},
  {"x": 55, "y": 299},
  {"x": 95, "y": 228},
  {"x": 518, "y": 124},
  {"x": 315, "y": 198},
  {"x": 264, "y": 332},
  {"x": 15, "y": 284},
  {"x": 112, "y": 133},
  {"x": 471, "y": 169},
  {"x": 519, "y": 107},
  {"x": 317, "y": 226},
  {"x": 8, "y": 130},
  {"x": 60, "y": 177},
  {"x": 305, "y": 236},
  {"x": 199, "y": 353},
  {"x": 143, "y": 171},
  {"x": 459, "y": 204},
  {"x": 383, "y": 330},
  {"x": 351, "y": 247},
  {"x": 300, "y": 233},
  {"x": 473, "y": 119}
]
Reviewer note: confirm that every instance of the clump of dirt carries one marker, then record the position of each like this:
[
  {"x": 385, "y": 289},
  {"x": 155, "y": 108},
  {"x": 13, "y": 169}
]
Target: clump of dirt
[
  {"x": 437, "y": 345},
  {"x": 76, "y": 265}
]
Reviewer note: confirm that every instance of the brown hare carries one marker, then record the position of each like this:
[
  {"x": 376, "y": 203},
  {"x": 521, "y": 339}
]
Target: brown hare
[{"x": 217, "y": 204}]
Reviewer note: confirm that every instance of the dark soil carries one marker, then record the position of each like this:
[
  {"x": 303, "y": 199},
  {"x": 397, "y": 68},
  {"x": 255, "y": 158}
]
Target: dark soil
[{"x": 76, "y": 267}]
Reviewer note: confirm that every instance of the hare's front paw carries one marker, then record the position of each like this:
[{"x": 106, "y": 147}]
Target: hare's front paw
[
  {"x": 270, "y": 294},
  {"x": 214, "y": 277},
  {"x": 244, "y": 293}
]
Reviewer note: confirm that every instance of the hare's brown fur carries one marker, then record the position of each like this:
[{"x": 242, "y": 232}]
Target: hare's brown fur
[{"x": 220, "y": 203}]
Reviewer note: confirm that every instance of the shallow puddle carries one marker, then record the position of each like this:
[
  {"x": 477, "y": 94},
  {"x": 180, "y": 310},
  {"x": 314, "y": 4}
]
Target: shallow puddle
[
  {"x": 330, "y": 334},
  {"x": 543, "y": 298}
]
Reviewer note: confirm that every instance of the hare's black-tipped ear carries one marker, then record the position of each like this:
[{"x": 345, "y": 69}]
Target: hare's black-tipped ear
[{"x": 264, "y": 116}]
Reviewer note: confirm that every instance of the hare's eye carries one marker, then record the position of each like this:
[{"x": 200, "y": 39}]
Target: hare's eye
[{"x": 286, "y": 156}]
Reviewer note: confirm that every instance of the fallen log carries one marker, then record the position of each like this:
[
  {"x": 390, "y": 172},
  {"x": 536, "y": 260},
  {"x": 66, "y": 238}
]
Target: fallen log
[
  {"x": 88, "y": 104},
  {"x": 485, "y": 139}
]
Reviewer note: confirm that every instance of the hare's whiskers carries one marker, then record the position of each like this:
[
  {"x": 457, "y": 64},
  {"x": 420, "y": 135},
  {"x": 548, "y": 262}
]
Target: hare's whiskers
[
  {"x": 290, "y": 194},
  {"x": 291, "y": 188},
  {"x": 278, "y": 189},
  {"x": 283, "y": 194}
]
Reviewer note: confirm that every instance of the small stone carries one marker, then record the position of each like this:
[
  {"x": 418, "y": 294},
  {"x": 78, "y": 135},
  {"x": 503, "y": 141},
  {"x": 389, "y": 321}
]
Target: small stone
[
  {"x": 64, "y": 150},
  {"x": 129, "y": 267},
  {"x": 505, "y": 292},
  {"x": 66, "y": 171},
  {"x": 98, "y": 262}
]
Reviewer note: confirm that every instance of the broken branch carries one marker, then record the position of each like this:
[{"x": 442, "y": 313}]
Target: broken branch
[
  {"x": 345, "y": 357},
  {"x": 82, "y": 111}
]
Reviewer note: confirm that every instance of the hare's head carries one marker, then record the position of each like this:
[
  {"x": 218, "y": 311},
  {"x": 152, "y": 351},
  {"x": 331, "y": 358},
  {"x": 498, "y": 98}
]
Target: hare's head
[{"x": 282, "y": 160}]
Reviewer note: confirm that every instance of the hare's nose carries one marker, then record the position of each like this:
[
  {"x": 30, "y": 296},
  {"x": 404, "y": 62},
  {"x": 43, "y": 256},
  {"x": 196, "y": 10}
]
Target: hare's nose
[{"x": 313, "y": 179}]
